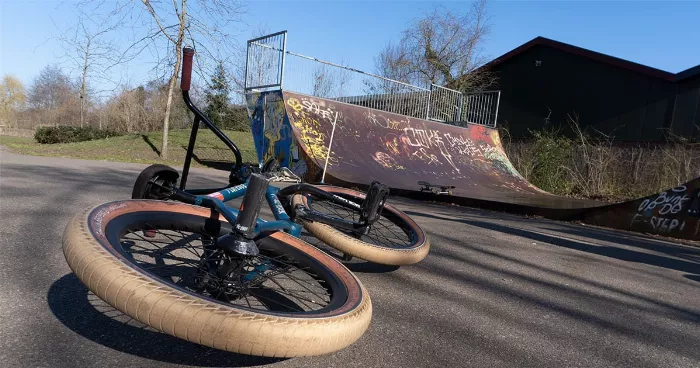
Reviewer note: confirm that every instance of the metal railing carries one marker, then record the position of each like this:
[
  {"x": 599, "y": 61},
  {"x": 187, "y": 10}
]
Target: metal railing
[
  {"x": 445, "y": 104},
  {"x": 311, "y": 76},
  {"x": 270, "y": 65},
  {"x": 264, "y": 65},
  {"x": 481, "y": 108}
]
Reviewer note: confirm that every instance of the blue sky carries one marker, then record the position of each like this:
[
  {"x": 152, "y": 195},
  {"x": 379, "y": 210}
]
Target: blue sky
[{"x": 663, "y": 34}]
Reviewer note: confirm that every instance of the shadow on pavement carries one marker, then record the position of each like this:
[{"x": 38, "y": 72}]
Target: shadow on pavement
[
  {"x": 84, "y": 313},
  {"x": 688, "y": 264},
  {"x": 693, "y": 277},
  {"x": 355, "y": 264}
]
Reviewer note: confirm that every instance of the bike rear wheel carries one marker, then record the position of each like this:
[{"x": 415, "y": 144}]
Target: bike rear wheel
[
  {"x": 289, "y": 300},
  {"x": 394, "y": 239}
]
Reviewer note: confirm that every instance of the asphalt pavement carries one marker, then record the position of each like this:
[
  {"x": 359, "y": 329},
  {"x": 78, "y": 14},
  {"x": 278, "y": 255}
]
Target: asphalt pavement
[{"x": 496, "y": 290}]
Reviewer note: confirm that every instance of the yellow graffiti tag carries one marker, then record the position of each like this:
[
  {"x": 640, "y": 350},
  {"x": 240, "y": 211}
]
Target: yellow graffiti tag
[
  {"x": 294, "y": 104},
  {"x": 314, "y": 140}
]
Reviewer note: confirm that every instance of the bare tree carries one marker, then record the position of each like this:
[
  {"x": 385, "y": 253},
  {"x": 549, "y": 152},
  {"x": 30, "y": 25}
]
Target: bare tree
[
  {"x": 168, "y": 26},
  {"x": 330, "y": 81},
  {"x": 323, "y": 83},
  {"x": 50, "y": 89},
  {"x": 89, "y": 52},
  {"x": 443, "y": 48},
  {"x": 53, "y": 96},
  {"x": 392, "y": 62}
]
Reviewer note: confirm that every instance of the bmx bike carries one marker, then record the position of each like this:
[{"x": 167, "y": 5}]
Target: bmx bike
[{"x": 183, "y": 262}]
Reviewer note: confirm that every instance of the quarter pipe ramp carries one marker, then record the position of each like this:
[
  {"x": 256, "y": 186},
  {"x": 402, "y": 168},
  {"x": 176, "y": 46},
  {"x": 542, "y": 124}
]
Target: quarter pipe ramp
[{"x": 356, "y": 145}]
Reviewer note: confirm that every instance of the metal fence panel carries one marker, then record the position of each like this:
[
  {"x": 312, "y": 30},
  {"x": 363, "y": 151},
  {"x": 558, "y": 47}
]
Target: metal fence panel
[
  {"x": 444, "y": 104},
  {"x": 481, "y": 108},
  {"x": 265, "y": 62}
]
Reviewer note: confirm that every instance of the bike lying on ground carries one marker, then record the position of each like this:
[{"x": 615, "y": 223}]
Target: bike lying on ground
[{"x": 184, "y": 263}]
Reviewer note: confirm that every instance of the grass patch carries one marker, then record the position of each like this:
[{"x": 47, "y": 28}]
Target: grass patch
[{"x": 143, "y": 148}]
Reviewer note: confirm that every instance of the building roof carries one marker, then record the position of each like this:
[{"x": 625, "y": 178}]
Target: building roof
[
  {"x": 620, "y": 63},
  {"x": 688, "y": 73}
]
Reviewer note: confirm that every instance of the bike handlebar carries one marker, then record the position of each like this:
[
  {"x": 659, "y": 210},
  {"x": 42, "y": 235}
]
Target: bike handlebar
[{"x": 187, "y": 54}]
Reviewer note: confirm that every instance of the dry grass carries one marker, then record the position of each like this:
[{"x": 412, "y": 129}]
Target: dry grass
[
  {"x": 141, "y": 148},
  {"x": 593, "y": 165}
]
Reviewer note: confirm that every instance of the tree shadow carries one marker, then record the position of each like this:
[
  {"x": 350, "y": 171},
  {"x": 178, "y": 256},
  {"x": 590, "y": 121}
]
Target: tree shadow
[
  {"x": 355, "y": 264},
  {"x": 213, "y": 164},
  {"x": 84, "y": 313},
  {"x": 150, "y": 144},
  {"x": 688, "y": 264},
  {"x": 692, "y": 277}
]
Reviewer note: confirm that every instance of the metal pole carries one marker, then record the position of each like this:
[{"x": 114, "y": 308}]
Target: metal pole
[
  {"x": 284, "y": 51},
  {"x": 498, "y": 102},
  {"x": 459, "y": 107},
  {"x": 330, "y": 144},
  {"x": 427, "y": 110},
  {"x": 245, "y": 79},
  {"x": 264, "y": 121}
]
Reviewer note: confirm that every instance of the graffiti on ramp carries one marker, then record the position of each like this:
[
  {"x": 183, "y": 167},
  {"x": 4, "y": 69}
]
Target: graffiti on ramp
[{"x": 356, "y": 145}]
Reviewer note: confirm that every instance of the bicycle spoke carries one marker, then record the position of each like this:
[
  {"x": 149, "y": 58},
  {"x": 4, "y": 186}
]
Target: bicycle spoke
[
  {"x": 383, "y": 232},
  {"x": 188, "y": 260}
]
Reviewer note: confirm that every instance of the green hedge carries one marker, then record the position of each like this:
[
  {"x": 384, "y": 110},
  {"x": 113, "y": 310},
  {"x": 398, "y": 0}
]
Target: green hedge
[{"x": 68, "y": 134}]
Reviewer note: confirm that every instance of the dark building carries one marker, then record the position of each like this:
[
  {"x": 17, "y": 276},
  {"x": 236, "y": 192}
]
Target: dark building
[{"x": 545, "y": 80}]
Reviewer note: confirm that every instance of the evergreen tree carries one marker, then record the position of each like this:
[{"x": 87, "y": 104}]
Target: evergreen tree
[{"x": 217, "y": 97}]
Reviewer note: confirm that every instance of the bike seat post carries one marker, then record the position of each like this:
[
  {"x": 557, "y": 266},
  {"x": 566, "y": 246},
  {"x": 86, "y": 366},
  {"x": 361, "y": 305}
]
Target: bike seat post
[{"x": 240, "y": 241}]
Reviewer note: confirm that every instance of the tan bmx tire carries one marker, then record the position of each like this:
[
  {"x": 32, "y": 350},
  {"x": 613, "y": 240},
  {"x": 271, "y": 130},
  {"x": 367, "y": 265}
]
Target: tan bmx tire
[
  {"x": 90, "y": 253},
  {"x": 394, "y": 256}
]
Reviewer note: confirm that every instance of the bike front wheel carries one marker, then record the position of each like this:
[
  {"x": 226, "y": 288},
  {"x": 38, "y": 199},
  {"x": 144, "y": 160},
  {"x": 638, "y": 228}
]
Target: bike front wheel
[
  {"x": 157, "y": 262},
  {"x": 394, "y": 239}
]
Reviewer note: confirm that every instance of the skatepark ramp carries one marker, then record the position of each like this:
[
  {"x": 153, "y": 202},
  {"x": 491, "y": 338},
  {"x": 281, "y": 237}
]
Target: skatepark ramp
[{"x": 351, "y": 139}]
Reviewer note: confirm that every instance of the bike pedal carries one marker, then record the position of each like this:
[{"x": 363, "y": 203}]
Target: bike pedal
[{"x": 371, "y": 207}]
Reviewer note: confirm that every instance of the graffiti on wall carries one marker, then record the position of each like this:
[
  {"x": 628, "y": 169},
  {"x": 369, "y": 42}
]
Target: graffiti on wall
[
  {"x": 368, "y": 140},
  {"x": 672, "y": 212},
  {"x": 309, "y": 116},
  {"x": 272, "y": 133}
]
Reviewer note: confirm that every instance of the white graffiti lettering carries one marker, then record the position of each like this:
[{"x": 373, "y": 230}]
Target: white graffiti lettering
[
  {"x": 426, "y": 157},
  {"x": 463, "y": 146},
  {"x": 672, "y": 204},
  {"x": 423, "y": 138},
  {"x": 680, "y": 189},
  {"x": 661, "y": 224},
  {"x": 327, "y": 113}
]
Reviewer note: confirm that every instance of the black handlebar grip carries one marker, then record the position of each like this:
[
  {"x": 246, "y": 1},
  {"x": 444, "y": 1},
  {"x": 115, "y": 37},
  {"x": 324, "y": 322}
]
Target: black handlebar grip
[{"x": 187, "y": 54}]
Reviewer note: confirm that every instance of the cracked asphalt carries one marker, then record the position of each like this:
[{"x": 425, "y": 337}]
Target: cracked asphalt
[{"x": 496, "y": 290}]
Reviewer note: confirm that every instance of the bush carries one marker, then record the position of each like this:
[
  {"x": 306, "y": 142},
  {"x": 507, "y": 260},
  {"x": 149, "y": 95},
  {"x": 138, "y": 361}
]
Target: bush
[
  {"x": 552, "y": 153},
  {"x": 595, "y": 166},
  {"x": 69, "y": 134}
]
